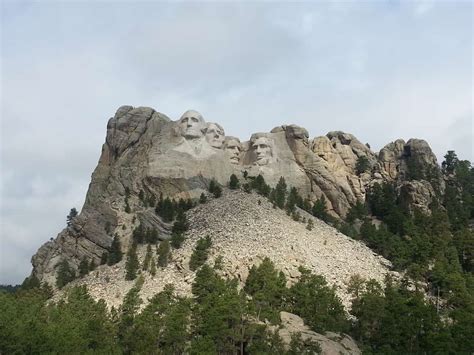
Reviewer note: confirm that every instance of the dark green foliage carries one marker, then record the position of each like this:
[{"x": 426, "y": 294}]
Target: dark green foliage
[
  {"x": 151, "y": 201},
  {"x": 127, "y": 207},
  {"x": 65, "y": 273},
  {"x": 294, "y": 200},
  {"x": 450, "y": 162},
  {"x": 234, "y": 182},
  {"x": 319, "y": 209},
  {"x": 148, "y": 256},
  {"x": 142, "y": 235},
  {"x": 181, "y": 224},
  {"x": 177, "y": 240},
  {"x": 163, "y": 252},
  {"x": 132, "y": 264},
  {"x": 215, "y": 189},
  {"x": 303, "y": 346},
  {"x": 92, "y": 265},
  {"x": 362, "y": 165},
  {"x": 267, "y": 286},
  {"x": 317, "y": 303},
  {"x": 141, "y": 195},
  {"x": 415, "y": 170},
  {"x": 83, "y": 267},
  {"x": 29, "y": 283},
  {"x": 72, "y": 214},
  {"x": 259, "y": 185},
  {"x": 396, "y": 320},
  {"x": 166, "y": 209},
  {"x": 203, "y": 198},
  {"x": 279, "y": 193},
  {"x": 357, "y": 211},
  {"x": 310, "y": 224},
  {"x": 200, "y": 253},
  {"x": 104, "y": 258},
  {"x": 127, "y": 314},
  {"x": 115, "y": 253}
]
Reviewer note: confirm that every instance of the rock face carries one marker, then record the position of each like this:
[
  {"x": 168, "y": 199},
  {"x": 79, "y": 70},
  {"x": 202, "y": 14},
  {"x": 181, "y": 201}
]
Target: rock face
[
  {"x": 146, "y": 151},
  {"x": 331, "y": 343},
  {"x": 244, "y": 229}
]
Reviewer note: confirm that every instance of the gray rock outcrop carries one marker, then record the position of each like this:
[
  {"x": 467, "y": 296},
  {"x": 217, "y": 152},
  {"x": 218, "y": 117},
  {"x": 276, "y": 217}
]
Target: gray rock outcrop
[{"x": 144, "y": 150}]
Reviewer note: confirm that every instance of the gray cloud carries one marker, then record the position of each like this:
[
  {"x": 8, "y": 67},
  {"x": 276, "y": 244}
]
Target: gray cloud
[{"x": 381, "y": 70}]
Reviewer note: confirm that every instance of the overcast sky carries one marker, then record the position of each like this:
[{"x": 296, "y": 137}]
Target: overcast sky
[{"x": 381, "y": 70}]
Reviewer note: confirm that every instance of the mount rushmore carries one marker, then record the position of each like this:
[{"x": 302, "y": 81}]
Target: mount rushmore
[{"x": 147, "y": 151}]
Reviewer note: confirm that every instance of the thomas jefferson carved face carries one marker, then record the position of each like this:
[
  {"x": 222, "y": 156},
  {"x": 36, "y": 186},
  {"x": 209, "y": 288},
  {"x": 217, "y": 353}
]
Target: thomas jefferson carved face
[
  {"x": 263, "y": 150},
  {"x": 215, "y": 135},
  {"x": 232, "y": 148},
  {"x": 191, "y": 124}
]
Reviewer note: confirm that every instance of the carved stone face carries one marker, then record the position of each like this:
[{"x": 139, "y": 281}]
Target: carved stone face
[
  {"x": 191, "y": 124},
  {"x": 215, "y": 135},
  {"x": 263, "y": 150},
  {"x": 233, "y": 148}
]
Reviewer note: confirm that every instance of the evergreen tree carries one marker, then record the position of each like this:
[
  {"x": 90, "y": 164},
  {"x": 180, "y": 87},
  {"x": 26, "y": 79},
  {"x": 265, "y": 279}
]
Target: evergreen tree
[
  {"x": 166, "y": 210},
  {"x": 163, "y": 252},
  {"x": 181, "y": 224},
  {"x": 141, "y": 195},
  {"x": 317, "y": 303},
  {"x": 115, "y": 254},
  {"x": 310, "y": 224},
  {"x": 92, "y": 265},
  {"x": 65, "y": 274},
  {"x": 104, "y": 258},
  {"x": 362, "y": 165},
  {"x": 72, "y": 214},
  {"x": 234, "y": 182},
  {"x": 139, "y": 234},
  {"x": 177, "y": 240},
  {"x": 132, "y": 264},
  {"x": 267, "y": 286},
  {"x": 200, "y": 253},
  {"x": 151, "y": 200},
  {"x": 319, "y": 209},
  {"x": 202, "y": 198},
  {"x": 260, "y": 186},
  {"x": 280, "y": 193},
  {"x": 152, "y": 267},
  {"x": 293, "y": 200},
  {"x": 147, "y": 260},
  {"x": 83, "y": 267}
]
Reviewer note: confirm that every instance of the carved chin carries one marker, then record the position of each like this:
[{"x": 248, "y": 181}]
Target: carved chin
[
  {"x": 262, "y": 161},
  {"x": 216, "y": 144},
  {"x": 192, "y": 134}
]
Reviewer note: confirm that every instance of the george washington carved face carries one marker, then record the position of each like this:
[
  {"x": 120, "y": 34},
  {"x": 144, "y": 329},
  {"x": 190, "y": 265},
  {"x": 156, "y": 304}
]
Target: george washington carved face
[
  {"x": 192, "y": 125},
  {"x": 263, "y": 148},
  {"x": 215, "y": 135}
]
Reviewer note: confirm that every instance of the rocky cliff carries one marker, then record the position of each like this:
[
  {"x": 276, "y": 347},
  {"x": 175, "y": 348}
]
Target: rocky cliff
[{"x": 147, "y": 151}]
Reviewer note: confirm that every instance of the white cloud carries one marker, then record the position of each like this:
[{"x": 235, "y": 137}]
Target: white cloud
[{"x": 373, "y": 69}]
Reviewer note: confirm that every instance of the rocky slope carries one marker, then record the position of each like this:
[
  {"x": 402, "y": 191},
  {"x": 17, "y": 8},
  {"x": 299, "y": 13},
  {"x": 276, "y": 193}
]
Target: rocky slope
[
  {"x": 146, "y": 151},
  {"x": 244, "y": 229}
]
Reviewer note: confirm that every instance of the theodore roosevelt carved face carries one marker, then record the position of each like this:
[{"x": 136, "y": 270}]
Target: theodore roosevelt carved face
[
  {"x": 192, "y": 125},
  {"x": 215, "y": 135}
]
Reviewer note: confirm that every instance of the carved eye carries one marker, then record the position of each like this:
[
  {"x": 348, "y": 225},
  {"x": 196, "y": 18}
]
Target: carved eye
[{"x": 194, "y": 119}]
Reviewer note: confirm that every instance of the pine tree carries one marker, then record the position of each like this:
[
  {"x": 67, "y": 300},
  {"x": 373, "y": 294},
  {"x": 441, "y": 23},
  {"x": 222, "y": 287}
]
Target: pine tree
[
  {"x": 115, "y": 254},
  {"x": 152, "y": 266},
  {"x": 83, "y": 267},
  {"x": 200, "y": 253},
  {"x": 104, "y": 258},
  {"x": 234, "y": 182},
  {"x": 177, "y": 240},
  {"x": 310, "y": 224},
  {"x": 280, "y": 193},
  {"x": 163, "y": 252},
  {"x": 92, "y": 265},
  {"x": 72, "y": 214},
  {"x": 141, "y": 195},
  {"x": 180, "y": 225},
  {"x": 319, "y": 209},
  {"x": 132, "y": 264},
  {"x": 202, "y": 198},
  {"x": 65, "y": 274},
  {"x": 362, "y": 165},
  {"x": 148, "y": 256}
]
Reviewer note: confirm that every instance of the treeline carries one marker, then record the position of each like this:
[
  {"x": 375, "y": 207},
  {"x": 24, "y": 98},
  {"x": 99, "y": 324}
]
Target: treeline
[{"x": 221, "y": 318}]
